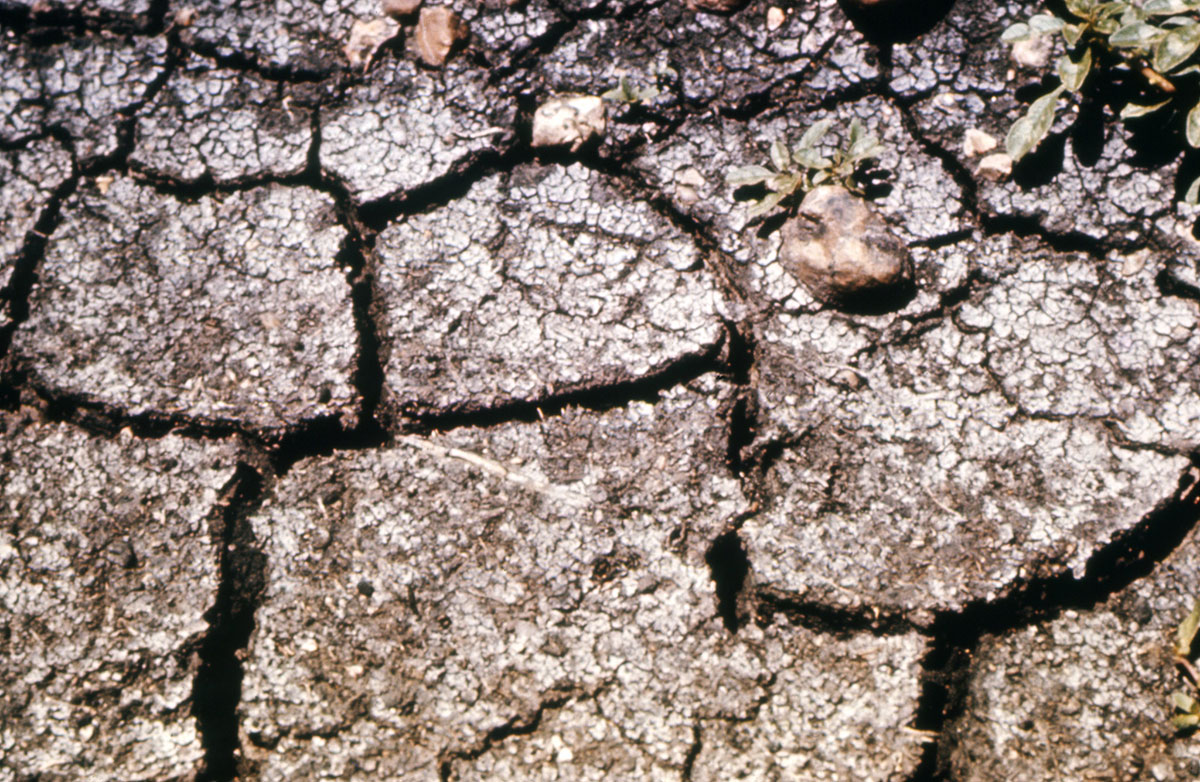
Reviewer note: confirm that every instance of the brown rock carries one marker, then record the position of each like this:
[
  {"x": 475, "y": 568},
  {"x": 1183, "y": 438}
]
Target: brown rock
[
  {"x": 843, "y": 252},
  {"x": 439, "y": 32},
  {"x": 366, "y": 38},
  {"x": 715, "y": 6},
  {"x": 399, "y": 9}
]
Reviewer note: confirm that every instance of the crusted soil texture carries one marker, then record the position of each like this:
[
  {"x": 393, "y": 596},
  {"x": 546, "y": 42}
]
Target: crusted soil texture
[{"x": 346, "y": 435}]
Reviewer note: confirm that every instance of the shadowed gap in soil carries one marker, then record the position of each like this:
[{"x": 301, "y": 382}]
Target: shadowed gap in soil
[
  {"x": 1130, "y": 556},
  {"x": 217, "y": 688},
  {"x": 597, "y": 395}
]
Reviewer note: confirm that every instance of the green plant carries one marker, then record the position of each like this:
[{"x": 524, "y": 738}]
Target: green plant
[
  {"x": 1154, "y": 39},
  {"x": 807, "y": 165},
  {"x": 1187, "y": 708},
  {"x": 627, "y": 92}
]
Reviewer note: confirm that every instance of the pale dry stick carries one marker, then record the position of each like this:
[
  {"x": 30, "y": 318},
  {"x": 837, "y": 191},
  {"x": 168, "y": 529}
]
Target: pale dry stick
[{"x": 492, "y": 467}]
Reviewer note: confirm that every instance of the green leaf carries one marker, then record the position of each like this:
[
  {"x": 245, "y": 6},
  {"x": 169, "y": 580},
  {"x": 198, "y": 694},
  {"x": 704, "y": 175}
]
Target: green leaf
[
  {"x": 1044, "y": 24},
  {"x": 1192, "y": 197},
  {"x": 1176, "y": 46},
  {"x": 1081, "y": 8},
  {"x": 1184, "y": 702},
  {"x": 784, "y": 183},
  {"x": 1185, "y": 721},
  {"x": 780, "y": 158},
  {"x": 821, "y": 176},
  {"x": 1017, "y": 32},
  {"x": 1193, "y": 126},
  {"x": 865, "y": 148},
  {"x": 1137, "y": 35},
  {"x": 807, "y": 158},
  {"x": 767, "y": 204},
  {"x": 1072, "y": 33},
  {"x": 856, "y": 132},
  {"x": 748, "y": 175},
  {"x": 1132, "y": 110},
  {"x": 1187, "y": 628},
  {"x": 814, "y": 134},
  {"x": 1027, "y": 132},
  {"x": 1072, "y": 73},
  {"x": 1165, "y": 7}
]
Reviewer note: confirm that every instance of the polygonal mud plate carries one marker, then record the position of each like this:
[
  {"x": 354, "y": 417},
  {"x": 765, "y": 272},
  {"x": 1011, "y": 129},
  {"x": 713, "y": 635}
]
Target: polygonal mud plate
[
  {"x": 229, "y": 307},
  {"x": 1087, "y": 695},
  {"x": 301, "y": 36},
  {"x": 929, "y": 465},
  {"x": 727, "y": 61},
  {"x": 406, "y": 126},
  {"x": 27, "y": 178},
  {"x": 106, "y": 572},
  {"x": 82, "y": 85},
  {"x": 223, "y": 124},
  {"x": 535, "y": 282},
  {"x": 545, "y": 575}
]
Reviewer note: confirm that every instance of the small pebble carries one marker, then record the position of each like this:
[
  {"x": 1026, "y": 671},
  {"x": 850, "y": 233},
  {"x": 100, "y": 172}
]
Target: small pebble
[
  {"x": 976, "y": 142},
  {"x": 439, "y": 32},
  {"x": 569, "y": 121},
  {"x": 366, "y": 38}
]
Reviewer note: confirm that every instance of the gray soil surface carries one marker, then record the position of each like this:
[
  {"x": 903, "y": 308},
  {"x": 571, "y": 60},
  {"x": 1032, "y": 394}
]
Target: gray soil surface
[{"x": 344, "y": 435}]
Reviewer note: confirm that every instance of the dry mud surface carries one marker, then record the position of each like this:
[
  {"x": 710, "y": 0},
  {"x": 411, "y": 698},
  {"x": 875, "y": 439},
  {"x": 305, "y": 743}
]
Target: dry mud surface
[{"x": 348, "y": 436}]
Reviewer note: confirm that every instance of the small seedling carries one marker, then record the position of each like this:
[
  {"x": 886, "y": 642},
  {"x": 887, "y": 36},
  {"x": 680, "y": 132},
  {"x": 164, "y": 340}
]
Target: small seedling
[
  {"x": 807, "y": 165},
  {"x": 1187, "y": 708},
  {"x": 1154, "y": 40},
  {"x": 627, "y": 92}
]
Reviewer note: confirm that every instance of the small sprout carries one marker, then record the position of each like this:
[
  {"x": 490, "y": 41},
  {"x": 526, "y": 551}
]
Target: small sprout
[
  {"x": 1153, "y": 39},
  {"x": 1186, "y": 632},
  {"x": 1187, "y": 708},
  {"x": 808, "y": 165},
  {"x": 627, "y": 92}
]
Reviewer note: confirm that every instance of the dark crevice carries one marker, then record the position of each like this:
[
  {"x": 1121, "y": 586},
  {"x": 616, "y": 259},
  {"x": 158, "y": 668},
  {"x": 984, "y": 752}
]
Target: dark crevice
[
  {"x": 1170, "y": 285},
  {"x": 48, "y": 23},
  {"x": 993, "y": 223},
  {"x": 955, "y": 636},
  {"x": 25, "y": 264},
  {"x": 689, "y": 760},
  {"x": 518, "y": 725},
  {"x": 217, "y": 688},
  {"x": 727, "y": 561},
  {"x": 742, "y": 414},
  {"x": 594, "y": 395},
  {"x": 107, "y": 420},
  {"x": 822, "y": 618},
  {"x": 439, "y": 191},
  {"x": 238, "y": 60}
]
